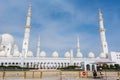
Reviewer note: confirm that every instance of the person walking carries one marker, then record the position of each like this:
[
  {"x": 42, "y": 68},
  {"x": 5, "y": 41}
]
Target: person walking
[{"x": 94, "y": 73}]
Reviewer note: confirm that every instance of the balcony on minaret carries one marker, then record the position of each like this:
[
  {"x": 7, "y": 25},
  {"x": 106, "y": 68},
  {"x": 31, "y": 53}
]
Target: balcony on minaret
[
  {"x": 27, "y": 27},
  {"x": 100, "y": 19},
  {"x": 29, "y": 15},
  {"x": 102, "y": 29}
]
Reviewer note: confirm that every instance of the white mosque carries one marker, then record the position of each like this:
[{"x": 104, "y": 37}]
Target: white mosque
[{"x": 10, "y": 54}]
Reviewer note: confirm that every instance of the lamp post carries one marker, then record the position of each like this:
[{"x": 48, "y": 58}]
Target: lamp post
[{"x": 101, "y": 73}]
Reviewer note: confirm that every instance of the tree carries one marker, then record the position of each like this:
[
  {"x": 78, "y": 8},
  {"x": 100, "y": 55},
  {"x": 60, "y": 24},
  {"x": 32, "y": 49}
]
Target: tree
[
  {"x": 112, "y": 66},
  {"x": 117, "y": 66}
]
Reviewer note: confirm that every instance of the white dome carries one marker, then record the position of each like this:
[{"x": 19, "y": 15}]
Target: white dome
[
  {"x": 16, "y": 54},
  {"x": 79, "y": 55},
  {"x": 102, "y": 55},
  {"x": 15, "y": 47},
  {"x": 42, "y": 54},
  {"x": 67, "y": 55},
  {"x": 7, "y": 38},
  {"x": 91, "y": 55},
  {"x": 30, "y": 54},
  {"x": 55, "y": 54},
  {"x": 2, "y": 54},
  {"x": 98, "y": 58},
  {"x": 21, "y": 55}
]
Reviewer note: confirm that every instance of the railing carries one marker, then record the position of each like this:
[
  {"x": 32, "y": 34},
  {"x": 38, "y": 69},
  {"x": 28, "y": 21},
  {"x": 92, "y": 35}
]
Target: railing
[{"x": 60, "y": 75}]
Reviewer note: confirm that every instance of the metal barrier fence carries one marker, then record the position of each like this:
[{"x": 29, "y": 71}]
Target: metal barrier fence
[{"x": 61, "y": 75}]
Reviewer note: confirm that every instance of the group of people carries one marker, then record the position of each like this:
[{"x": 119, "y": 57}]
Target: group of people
[{"x": 95, "y": 74}]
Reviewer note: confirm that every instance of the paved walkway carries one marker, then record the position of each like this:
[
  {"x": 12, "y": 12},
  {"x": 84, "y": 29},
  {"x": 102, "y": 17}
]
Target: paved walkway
[{"x": 68, "y": 78}]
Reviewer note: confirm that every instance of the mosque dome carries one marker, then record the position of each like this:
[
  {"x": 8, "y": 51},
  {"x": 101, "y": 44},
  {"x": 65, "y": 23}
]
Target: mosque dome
[
  {"x": 7, "y": 38},
  {"x": 15, "y": 47},
  {"x": 42, "y": 54},
  {"x": 21, "y": 55},
  {"x": 16, "y": 54},
  {"x": 30, "y": 54},
  {"x": 2, "y": 54},
  {"x": 98, "y": 58},
  {"x": 102, "y": 55},
  {"x": 55, "y": 54},
  {"x": 67, "y": 55},
  {"x": 79, "y": 55},
  {"x": 91, "y": 55}
]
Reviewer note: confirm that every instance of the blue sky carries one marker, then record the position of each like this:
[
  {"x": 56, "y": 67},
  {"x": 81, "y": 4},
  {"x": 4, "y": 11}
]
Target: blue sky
[{"x": 59, "y": 22}]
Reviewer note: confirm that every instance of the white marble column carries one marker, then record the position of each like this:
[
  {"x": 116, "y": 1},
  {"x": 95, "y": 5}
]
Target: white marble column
[
  {"x": 85, "y": 68},
  {"x": 91, "y": 67}
]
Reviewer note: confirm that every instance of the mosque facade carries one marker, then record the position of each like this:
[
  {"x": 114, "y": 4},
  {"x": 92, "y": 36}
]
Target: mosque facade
[{"x": 10, "y": 54}]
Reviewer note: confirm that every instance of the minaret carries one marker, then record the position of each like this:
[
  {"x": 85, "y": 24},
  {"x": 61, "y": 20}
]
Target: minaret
[
  {"x": 71, "y": 57},
  {"x": 79, "y": 54},
  {"x": 102, "y": 34},
  {"x": 27, "y": 33},
  {"x": 78, "y": 45},
  {"x": 38, "y": 46}
]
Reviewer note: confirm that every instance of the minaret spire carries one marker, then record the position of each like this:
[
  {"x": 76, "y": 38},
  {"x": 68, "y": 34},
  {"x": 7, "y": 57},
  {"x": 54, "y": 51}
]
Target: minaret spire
[
  {"x": 27, "y": 32},
  {"x": 79, "y": 54},
  {"x": 78, "y": 45},
  {"x": 38, "y": 46},
  {"x": 29, "y": 16},
  {"x": 102, "y": 33}
]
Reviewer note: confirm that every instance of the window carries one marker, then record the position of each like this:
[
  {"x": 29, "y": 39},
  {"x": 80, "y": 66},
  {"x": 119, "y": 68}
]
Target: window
[
  {"x": 13, "y": 63},
  {"x": 17, "y": 63},
  {"x": 3, "y": 46},
  {"x": 5, "y": 63}
]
